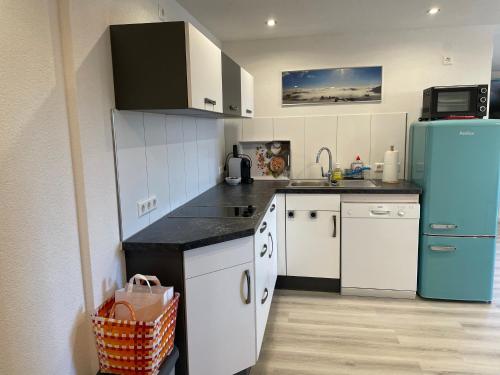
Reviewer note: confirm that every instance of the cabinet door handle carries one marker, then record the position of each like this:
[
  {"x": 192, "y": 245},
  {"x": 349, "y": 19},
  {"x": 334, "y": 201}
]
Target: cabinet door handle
[
  {"x": 249, "y": 111},
  {"x": 273, "y": 207},
  {"x": 264, "y": 250},
  {"x": 234, "y": 107},
  {"x": 263, "y": 228},
  {"x": 210, "y": 101},
  {"x": 248, "y": 299},
  {"x": 442, "y": 248},
  {"x": 270, "y": 237},
  {"x": 334, "y": 226},
  {"x": 264, "y": 298},
  {"x": 444, "y": 226}
]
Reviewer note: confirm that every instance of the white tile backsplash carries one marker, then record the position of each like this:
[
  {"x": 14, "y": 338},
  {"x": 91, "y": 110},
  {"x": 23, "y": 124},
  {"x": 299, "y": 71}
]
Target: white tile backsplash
[
  {"x": 319, "y": 131},
  {"x": 353, "y": 139},
  {"x": 157, "y": 163},
  {"x": 366, "y": 135},
  {"x": 387, "y": 131},
  {"x": 158, "y": 155}
]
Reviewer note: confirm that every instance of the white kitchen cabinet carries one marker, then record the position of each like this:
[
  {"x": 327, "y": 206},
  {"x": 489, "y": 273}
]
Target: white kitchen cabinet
[
  {"x": 220, "y": 312},
  {"x": 313, "y": 235},
  {"x": 205, "y": 72},
  {"x": 266, "y": 270},
  {"x": 281, "y": 233},
  {"x": 257, "y": 130},
  {"x": 247, "y": 96},
  {"x": 166, "y": 67}
]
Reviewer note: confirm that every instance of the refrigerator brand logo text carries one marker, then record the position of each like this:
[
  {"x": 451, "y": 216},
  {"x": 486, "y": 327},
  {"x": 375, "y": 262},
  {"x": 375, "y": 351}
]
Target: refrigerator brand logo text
[{"x": 467, "y": 133}]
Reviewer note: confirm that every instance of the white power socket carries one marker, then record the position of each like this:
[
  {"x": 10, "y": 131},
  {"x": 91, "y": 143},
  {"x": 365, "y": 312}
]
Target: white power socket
[
  {"x": 146, "y": 206},
  {"x": 379, "y": 167}
]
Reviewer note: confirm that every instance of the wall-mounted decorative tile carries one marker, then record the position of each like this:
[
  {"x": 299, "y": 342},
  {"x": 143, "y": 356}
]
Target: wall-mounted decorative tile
[
  {"x": 292, "y": 129},
  {"x": 131, "y": 164},
  {"x": 388, "y": 129},
  {"x": 319, "y": 131},
  {"x": 353, "y": 138},
  {"x": 175, "y": 147},
  {"x": 157, "y": 164}
]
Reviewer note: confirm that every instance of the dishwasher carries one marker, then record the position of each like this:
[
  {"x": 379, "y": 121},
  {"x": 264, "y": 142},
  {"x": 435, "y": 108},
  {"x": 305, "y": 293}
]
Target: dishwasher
[{"x": 379, "y": 253}]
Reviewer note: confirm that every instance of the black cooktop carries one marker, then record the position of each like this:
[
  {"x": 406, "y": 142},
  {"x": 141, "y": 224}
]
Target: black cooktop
[{"x": 214, "y": 211}]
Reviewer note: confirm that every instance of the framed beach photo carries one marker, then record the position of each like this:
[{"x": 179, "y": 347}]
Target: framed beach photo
[{"x": 332, "y": 86}]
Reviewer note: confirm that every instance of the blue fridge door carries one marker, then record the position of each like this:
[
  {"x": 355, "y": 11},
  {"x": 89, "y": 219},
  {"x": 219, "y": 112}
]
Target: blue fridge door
[
  {"x": 456, "y": 268},
  {"x": 461, "y": 182}
]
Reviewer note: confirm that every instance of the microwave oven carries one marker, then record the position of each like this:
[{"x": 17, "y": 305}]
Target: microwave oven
[{"x": 441, "y": 102}]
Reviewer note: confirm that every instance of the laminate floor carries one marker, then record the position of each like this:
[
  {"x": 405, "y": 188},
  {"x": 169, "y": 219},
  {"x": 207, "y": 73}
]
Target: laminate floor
[{"x": 311, "y": 333}]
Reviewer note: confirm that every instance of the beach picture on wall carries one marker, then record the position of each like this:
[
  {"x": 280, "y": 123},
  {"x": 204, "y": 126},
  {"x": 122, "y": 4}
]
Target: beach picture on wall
[{"x": 332, "y": 86}]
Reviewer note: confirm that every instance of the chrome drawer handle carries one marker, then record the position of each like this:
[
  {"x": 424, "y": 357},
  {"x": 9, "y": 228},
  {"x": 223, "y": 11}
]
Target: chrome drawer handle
[
  {"x": 264, "y": 250},
  {"x": 270, "y": 237},
  {"x": 444, "y": 226},
  {"x": 248, "y": 299},
  {"x": 264, "y": 298},
  {"x": 263, "y": 228},
  {"x": 334, "y": 226},
  {"x": 442, "y": 248}
]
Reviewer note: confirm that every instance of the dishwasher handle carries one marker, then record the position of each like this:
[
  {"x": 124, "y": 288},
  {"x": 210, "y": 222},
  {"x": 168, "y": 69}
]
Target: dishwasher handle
[{"x": 380, "y": 212}]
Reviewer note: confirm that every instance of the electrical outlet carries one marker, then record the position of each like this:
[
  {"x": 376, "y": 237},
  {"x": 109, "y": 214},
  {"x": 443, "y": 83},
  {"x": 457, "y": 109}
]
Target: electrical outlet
[
  {"x": 447, "y": 60},
  {"x": 379, "y": 167},
  {"x": 142, "y": 207},
  {"x": 146, "y": 206}
]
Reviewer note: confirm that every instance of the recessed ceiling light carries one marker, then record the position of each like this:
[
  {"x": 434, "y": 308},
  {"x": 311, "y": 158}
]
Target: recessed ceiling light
[
  {"x": 271, "y": 22},
  {"x": 433, "y": 11}
]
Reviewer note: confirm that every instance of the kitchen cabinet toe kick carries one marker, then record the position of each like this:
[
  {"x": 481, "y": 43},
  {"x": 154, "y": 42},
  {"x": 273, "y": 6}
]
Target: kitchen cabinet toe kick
[{"x": 315, "y": 284}]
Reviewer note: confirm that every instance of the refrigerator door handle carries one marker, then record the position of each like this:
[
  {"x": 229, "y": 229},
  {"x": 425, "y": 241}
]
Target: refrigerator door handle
[
  {"x": 442, "y": 248},
  {"x": 444, "y": 226}
]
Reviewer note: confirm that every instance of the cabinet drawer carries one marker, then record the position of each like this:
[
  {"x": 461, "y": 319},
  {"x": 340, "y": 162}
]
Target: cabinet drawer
[
  {"x": 217, "y": 257},
  {"x": 319, "y": 202}
]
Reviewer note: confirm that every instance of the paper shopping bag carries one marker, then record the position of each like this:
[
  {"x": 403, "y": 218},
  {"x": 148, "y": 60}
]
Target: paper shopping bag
[{"x": 147, "y": 300}]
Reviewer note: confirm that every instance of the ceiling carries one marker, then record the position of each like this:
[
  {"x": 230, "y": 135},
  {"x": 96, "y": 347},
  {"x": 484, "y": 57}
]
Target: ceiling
[{"x": 231, "y": 20}]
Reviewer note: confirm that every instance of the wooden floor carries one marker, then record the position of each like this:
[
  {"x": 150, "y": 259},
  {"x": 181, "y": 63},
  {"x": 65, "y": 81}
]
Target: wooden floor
[{"x": 319, "y": 333}]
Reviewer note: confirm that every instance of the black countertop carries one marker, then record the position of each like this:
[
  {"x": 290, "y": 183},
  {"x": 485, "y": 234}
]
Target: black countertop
[{"x": 180, "y": 234}]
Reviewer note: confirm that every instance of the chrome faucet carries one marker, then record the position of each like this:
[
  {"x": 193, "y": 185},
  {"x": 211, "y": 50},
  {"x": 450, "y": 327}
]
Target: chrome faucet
[{"x": 330, "y": 162}]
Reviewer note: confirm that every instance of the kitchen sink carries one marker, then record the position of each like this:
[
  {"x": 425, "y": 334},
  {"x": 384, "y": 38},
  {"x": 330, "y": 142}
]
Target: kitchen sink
[{"x": 326, "y": 184}]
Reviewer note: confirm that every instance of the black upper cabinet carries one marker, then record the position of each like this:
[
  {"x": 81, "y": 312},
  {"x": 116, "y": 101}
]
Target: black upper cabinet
[
  {"x": 231, "y": 86},
  {"x": 167, "y": 67}
]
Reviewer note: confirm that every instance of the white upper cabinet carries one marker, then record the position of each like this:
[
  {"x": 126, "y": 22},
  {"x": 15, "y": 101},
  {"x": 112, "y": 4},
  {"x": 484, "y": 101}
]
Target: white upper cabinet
[
  {"x": 247, "y": 109},
  {"x": 204, "y": 72}
]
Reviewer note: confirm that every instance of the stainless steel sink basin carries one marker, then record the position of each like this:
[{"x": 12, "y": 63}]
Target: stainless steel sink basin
[
  {"x": 326, "y": 184},
  {"x": 309, "y": 183}
]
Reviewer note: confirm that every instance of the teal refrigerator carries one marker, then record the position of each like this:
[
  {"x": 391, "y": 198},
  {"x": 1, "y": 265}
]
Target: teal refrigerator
[{"x": 457, "y": 164}]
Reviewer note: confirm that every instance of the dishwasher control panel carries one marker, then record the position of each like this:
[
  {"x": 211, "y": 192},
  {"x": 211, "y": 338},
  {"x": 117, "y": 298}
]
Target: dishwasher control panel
[{"x": 381, "y": 210}]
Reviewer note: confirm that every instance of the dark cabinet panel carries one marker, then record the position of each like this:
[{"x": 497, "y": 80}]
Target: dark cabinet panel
[
  {"x": 231, "y": 86},
  {"x": 149, "y": 66}
]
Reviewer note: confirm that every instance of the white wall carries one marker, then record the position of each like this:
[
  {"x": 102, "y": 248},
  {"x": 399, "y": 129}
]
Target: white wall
[
  {"x": 57, "y": 181},
  {"x": 173, "y": 158},
  {"x": 42, "y": 312},
  {"x": 411, "y": 60}
]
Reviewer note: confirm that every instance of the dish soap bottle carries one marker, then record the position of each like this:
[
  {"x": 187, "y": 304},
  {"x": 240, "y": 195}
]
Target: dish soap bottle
[
  {"x": 337, "y": 173},
  {"x": 357, "y": 165}
]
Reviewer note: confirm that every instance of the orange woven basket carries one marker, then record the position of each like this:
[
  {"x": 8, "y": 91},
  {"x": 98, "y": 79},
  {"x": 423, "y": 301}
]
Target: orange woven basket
[{"x": 128, "y": 347}]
